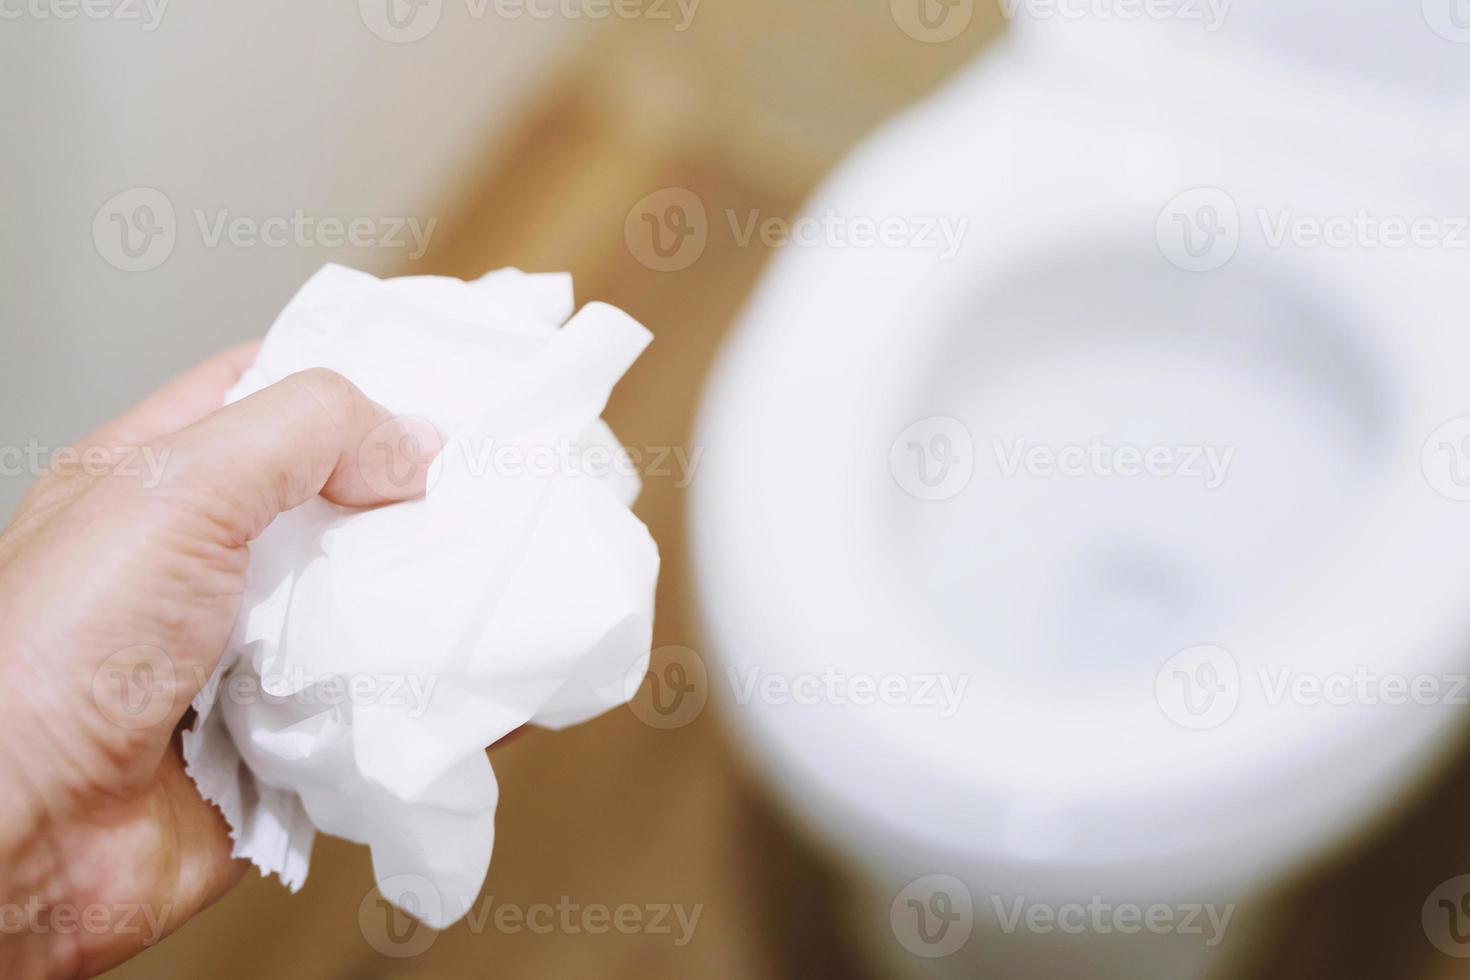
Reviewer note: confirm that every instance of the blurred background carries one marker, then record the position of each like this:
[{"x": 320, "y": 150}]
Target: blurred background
[{"x": 1145, "y": 173}]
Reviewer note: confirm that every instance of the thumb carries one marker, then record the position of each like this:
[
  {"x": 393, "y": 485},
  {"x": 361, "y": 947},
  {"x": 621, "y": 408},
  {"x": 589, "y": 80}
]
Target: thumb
[{"x": 311, "y": 433}]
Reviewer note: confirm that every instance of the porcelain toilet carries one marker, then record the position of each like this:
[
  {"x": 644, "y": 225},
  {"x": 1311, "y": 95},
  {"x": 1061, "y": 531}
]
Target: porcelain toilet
[{"x": 1137, "y": 519}]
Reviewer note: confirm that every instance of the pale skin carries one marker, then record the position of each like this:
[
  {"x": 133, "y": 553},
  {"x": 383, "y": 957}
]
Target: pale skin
[{"x": 98, "y": 818}]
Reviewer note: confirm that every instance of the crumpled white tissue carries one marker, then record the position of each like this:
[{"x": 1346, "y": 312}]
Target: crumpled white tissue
[{"x": 379, "y": 651}]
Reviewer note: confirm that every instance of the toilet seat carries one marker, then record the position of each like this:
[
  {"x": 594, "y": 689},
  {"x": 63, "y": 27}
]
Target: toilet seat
[{"x": 795, "y": 509}]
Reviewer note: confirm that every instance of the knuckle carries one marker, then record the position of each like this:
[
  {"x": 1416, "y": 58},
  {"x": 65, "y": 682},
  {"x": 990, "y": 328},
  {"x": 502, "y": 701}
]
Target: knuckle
[
  {"x": 170, "y": 463},
  {"x": 331, "y": 391}
]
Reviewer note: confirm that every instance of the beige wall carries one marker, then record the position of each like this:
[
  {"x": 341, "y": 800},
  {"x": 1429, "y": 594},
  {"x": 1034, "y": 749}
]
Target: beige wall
[{"x": 253, "y": 109}]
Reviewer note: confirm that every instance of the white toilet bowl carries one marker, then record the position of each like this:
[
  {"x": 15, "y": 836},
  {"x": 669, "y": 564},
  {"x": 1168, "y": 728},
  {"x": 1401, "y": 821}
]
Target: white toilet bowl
[{"x": 916, "y": 474}]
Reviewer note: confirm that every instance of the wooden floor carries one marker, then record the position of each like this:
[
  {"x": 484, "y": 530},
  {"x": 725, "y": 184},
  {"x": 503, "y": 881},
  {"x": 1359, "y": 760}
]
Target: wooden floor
[{"x": 617, "y": 811}]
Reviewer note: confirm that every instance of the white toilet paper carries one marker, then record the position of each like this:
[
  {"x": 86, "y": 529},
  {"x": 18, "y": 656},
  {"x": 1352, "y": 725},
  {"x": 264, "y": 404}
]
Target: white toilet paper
[{"x": 379, "y": 651}]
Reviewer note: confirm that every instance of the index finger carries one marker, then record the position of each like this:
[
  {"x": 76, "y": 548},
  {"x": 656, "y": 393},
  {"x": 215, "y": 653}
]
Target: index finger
[{"x": 178, "y": 404}]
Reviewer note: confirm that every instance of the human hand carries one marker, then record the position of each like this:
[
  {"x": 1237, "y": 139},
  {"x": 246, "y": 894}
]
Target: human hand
[{"x": 120, "y": 584}]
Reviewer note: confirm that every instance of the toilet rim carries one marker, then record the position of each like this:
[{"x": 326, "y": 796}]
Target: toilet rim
[{"x": 1402, "y": 564}]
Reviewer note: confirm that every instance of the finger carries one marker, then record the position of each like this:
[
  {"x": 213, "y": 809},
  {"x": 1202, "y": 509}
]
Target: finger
[
  {"x": 312, "y": 433},
  {"x": 181, "y": 402},
  {"x": 184, "y": 400},
  {"x": 165, "y": 855}
]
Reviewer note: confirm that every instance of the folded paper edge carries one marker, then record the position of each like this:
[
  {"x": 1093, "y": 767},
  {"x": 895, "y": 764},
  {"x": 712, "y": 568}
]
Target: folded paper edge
[{"x": 280, "y": 845}]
